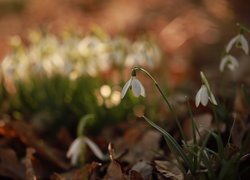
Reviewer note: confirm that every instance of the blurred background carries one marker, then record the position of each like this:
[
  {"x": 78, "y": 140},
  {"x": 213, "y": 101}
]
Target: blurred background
[
  {"x": 189, "y": 32},
  {"x": 63, "y": 59}
]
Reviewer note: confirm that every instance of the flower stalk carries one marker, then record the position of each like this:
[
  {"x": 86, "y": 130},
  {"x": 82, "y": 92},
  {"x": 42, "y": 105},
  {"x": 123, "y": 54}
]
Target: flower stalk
[{"x": 164, "y": 97}]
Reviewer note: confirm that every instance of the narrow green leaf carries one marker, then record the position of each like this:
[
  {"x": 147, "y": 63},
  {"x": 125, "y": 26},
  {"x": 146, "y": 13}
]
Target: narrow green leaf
[
  {"x": 180, "y": 165},
  {"x": 230, "y": 168},
  {"x": 220, "y": 145},
  {"x": 207, "y": 162},
  {"x": 173, "y": 142}
]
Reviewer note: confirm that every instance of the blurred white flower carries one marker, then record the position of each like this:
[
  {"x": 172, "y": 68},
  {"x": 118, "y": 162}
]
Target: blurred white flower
[
  {"x": 136, "y": 85},
  {"x": 239, "y": 41},
  {"x": 21, "y": 70},
  {"x": 229, "y": 61},
  {"x": 119, "y": 48},
  {"x": 48, "y": 55},
  {"x": 75, "y": 149},
  {"x": 91, "y": 45},
  {"x": 8, "y": 65},
  {"x": 143, "y": 53},
  {"x": 134, "y": 59}
]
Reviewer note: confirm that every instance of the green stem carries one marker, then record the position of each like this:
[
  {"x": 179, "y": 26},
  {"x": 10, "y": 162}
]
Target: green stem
[
  {"x": 243, "y": 28},
  {"x": 222, "y": 88},
  {"x": 165, "y": 98},
  {"x": 82, "y": 124},
  {"x": 194, "y": 127},
  {"x": 231, "y": 132},
  {"x": 216, "y": 119}
]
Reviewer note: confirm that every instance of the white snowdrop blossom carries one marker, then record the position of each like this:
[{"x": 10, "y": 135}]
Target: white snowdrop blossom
[
  {"x": 239, "y": 41},
  {"x": 136, "y": 85},
  {"x": 75, "y": 149},
  {"x": 204, "y": 94},
  {"x": 228, "y": 61}
]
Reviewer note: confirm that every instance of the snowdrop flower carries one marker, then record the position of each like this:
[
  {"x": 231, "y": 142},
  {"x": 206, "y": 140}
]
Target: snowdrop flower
[
  {"x": 136, "y": 85},
  {"x": 229, "y": 61},
  {"x": 75, "y": 149},
  {"x": 240, "y": 41},
  {"x": 201, "y": 96},
  {"x": 204, "y": 94}
]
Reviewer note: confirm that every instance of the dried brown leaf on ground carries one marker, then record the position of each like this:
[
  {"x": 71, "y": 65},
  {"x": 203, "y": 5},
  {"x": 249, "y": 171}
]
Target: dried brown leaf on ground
[
  {"x": 134, "y": 175},
  {"x": 144, "y": 148},
  {"x": 114, "y": 171},
  {"x": 241, "y": 124},
  {"x": 240, "y": 104},
  {"x": 85, "y": 172},
  {"x": 26, "y": 134},
  {"x": 142, "y": 169},
  {"x": 168, "y": 170},
  {"x": 203, "y": 123},
  {"x": 10, "y": 165}
]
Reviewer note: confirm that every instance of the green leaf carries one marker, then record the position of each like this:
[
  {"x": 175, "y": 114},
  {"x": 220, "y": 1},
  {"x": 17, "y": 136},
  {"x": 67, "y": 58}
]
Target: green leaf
[
  {"x": 207, "y": 162},
  {"x": 220, "y": 145},
  {"x": 172, "y": 142}
]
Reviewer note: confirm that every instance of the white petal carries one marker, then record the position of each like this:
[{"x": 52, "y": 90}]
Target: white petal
[
  {"x": 204, "y": 95},
  {"x": 142, "y": 89},
  {"x": 223, "y": 63},
  {"x": 232, "y": 62},
  {"x": 74, "y": 159},
  {"x": 76, "y": 144},
  {"x": 198, "y": 98},
  {"x": 74, "y": 150},
  {"x": 244, "y": 44},
  {"x": 95, "y": 149},
  {"x": 231, "y": 43},
  {"x": 126, "y": 87},
  {"x": 136, "y": 88}
]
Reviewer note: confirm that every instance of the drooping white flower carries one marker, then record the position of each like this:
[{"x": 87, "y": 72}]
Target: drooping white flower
[
  {"x": 204, "y": 94},
  {"x": 240, "y": 41},
  {"x": 229, "y": 61},
  {"x": 201, "y": 96},
  {"x": 136, "y": 85},
  {"x": 75, "y": 149}
]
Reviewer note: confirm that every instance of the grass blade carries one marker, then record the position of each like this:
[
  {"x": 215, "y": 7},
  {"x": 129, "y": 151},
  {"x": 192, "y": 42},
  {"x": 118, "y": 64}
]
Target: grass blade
[
  {"x": 220, "y": 145},
  {"x": 172, "y": 142}
]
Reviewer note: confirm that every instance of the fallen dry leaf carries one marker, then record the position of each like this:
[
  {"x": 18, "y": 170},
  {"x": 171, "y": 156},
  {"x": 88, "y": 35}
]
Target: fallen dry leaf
[
  {"x": 240, "y": 104},
  {"x": 10, "y": 165},
  {"x": 203, "y": 123},
  {"x": 114, "y": 171},
  {"x": 26, "y": 134},
  {"x": 168, "y": 170},
  {"x": 142, "y": 168},
  {"x": 133, "y": 175},
  {"x": 144, "y": 148},
  {"x": 82, "y": 173}
]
